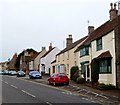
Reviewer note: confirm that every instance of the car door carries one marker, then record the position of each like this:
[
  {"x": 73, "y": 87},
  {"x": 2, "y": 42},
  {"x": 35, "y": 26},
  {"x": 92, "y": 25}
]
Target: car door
[{"x": 52, "y": 78}]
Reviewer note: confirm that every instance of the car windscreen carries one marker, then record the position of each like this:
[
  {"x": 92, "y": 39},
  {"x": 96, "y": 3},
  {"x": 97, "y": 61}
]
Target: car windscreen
[
  {"x": 20, "y": 72},
  {"x": 35, "y": 72},
  {"x": 61, "y": 75}
]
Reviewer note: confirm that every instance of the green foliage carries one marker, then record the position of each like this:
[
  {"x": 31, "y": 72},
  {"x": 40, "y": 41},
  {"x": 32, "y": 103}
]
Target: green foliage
[
  {"x": 103, "y": 86},
  {"x": 73, "y": 71},
  {"x": 80, "y": 80},
  {"x": 75, "y": 76}
]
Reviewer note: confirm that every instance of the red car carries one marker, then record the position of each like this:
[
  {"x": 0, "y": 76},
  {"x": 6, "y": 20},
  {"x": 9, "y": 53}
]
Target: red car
[{"x": 58, "y": 78}]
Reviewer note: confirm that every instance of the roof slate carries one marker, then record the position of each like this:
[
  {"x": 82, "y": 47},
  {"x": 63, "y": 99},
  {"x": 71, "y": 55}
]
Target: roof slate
[
  {"x": 72, "y": 45},
  {"x": 104, "y": 55},
  {"x": 47, "y": 52},
  {"x": 102, "y": 30}
]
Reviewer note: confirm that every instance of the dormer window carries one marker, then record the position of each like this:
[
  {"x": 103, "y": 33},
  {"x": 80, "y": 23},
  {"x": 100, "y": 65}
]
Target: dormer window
[
  {"x": 84, "y": 51},
  {"x": 99, "y": 44}
]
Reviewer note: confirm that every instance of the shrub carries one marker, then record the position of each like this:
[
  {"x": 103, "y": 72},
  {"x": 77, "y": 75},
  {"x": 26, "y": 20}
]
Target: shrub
[
  {"x": 103, "y": 86},
  {"x": 80, "y": 80},
  {"x": 75, "y": 76},
  {"x": 73, "y": 70}
]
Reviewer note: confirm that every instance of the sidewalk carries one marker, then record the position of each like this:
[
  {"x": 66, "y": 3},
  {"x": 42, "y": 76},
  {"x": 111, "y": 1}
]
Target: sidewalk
[
  {"x": 109, "y": 96},
  {"x": 112, "y": 94}
]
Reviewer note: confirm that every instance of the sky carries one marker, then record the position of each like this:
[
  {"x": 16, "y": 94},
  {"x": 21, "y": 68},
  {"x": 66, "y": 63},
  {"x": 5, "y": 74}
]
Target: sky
[{"x": 37, "y": 23}]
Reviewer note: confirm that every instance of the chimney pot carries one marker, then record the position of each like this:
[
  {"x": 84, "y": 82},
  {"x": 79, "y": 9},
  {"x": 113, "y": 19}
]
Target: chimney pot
[
  {"x": 43, "y": 48},
  {"x": 113, "y": 12},
  {"x": 111, "y": 4},
  {"x": 90, "y": 29},
  {"x": 70, "y": 36},
  {"x": 50, "y": 47},
  {"x": 115, "y": 6}
]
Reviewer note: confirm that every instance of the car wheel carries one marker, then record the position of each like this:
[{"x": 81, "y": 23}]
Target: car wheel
[{"x": 67, "y": 83}]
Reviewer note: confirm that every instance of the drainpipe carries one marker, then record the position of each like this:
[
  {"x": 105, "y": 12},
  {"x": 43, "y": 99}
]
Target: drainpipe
[{"x": 117, "y": 32}]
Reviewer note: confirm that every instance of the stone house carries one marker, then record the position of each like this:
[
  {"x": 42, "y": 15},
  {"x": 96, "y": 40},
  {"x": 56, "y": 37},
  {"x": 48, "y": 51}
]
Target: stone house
[{"x": 66, "y": 58}]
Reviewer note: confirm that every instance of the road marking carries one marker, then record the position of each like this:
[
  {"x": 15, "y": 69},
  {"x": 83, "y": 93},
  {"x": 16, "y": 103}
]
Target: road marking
[
  {"x": 85, "y": 99},
  {"x": 14, "y": 86},
  {"x": 6, "y": 82},
  {"x": 48, "y": 103},
  {"x": 28, "y": 93}
]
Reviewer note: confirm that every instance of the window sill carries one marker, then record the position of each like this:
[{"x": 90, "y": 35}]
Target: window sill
[
  {"x": 106, "y": 73},
  {"x": 83, "y": 56}
]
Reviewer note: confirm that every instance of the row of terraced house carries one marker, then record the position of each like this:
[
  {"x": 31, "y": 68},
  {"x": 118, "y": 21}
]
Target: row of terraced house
[{"x": 98, "y": 51}]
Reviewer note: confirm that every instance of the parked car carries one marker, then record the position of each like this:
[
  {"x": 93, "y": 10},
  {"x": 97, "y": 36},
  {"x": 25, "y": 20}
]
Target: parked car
[
  {"x": 5, "y": 72},
  {"x": 21, "y": 74},
  {"x": 58, "y": 78},
  {"x": 35, "y": 74},
  {"x": 1, "y": 72},
  {"x": 12, "y": 73}
]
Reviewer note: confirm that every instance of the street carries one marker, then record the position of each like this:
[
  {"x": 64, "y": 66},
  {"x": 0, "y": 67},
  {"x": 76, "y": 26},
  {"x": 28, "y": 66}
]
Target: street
[{"x": 15, "y": 90}]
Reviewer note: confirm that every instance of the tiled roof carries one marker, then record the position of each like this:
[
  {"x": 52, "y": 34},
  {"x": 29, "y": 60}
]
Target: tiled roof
[
  {"x": 34, "y": 56},
  {"x": 72, "y": 45},
  {"x": 104, "y": 55},
  {"x": 102, "y": 30},
  {"x": 47, "y": 52}
]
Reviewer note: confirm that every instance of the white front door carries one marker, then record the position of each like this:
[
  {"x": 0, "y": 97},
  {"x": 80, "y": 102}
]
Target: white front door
[{"x": 88, "y": 72}]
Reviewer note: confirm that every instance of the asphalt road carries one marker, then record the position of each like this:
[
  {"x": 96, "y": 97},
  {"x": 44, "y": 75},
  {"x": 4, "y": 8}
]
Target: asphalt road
[{"x": 15, "y": 90}]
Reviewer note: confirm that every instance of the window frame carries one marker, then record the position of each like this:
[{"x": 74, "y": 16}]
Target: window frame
[
  {"x": 98, "y": 44},
  {"x": 105, "y": 66},
  {"x": 84, "y": 51}
]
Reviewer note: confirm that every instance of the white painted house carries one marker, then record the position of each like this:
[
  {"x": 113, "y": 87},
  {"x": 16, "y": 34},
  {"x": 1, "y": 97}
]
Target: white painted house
[
  {"x": 98, "y": 52},
  {"x": 47, "y": 58}
]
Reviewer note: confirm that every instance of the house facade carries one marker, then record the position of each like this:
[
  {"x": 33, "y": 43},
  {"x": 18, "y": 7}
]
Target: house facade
[
  {"x": 25, "y": 57},
  {"x": 35, "y": 61},
  {"x": 12, "y": 63},
  {"x": 98, "y": 55},
  {"x": 47, "y": 58},
  {"x": 66, "y": 58},
  {"x": 4, "y": 66}
]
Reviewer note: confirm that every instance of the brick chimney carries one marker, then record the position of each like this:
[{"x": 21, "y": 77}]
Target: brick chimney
[
  {"x": 69, "y": 40},
  {"x": 113, "y": 11},
  {"x": 90, "y": 29},
  {"x": 50, "y": 47},
  {"x": 43, "y": 48}
]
